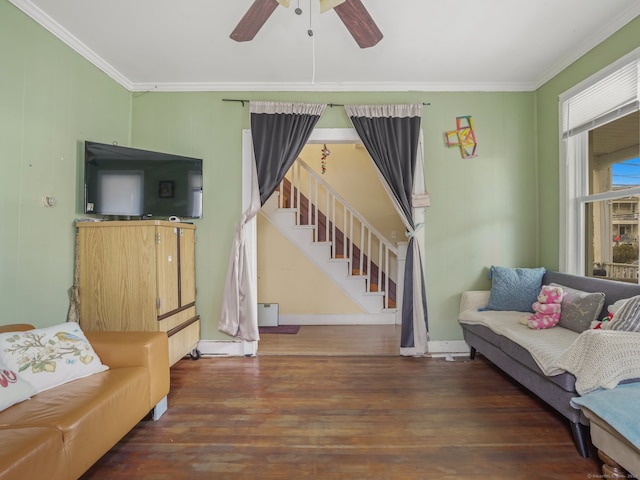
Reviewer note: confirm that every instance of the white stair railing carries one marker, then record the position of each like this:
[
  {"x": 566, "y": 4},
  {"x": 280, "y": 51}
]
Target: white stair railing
[{"x": 335, "y": 222}]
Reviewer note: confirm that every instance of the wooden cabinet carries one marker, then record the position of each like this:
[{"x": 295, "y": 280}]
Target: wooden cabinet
[{"x": 140, "y": 275}]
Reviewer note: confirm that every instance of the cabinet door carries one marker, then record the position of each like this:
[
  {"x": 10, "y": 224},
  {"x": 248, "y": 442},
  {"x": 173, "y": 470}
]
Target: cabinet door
[
  {"x": 117, "y": 278},
  {"x": 167, "y": 261},
  {"x": 187, "y": 266}
]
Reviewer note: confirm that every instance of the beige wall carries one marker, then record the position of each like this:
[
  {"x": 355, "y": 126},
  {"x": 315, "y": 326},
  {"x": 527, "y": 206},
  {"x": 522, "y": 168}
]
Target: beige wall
[
  {"x": 351, "y": 172},
  {"x": 288, "y": 278}
]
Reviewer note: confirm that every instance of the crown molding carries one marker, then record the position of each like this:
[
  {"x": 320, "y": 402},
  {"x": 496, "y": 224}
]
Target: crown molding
[
  {"x": 596, "y": 39},
  {"x": 332, "y": 87},
  {"x": 72, "y": 41}
]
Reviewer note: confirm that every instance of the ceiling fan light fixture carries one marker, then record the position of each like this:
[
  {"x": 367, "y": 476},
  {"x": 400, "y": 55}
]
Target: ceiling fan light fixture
[
  {"x": 326, "y": 5},
  {"x": 352, "y": 13}
]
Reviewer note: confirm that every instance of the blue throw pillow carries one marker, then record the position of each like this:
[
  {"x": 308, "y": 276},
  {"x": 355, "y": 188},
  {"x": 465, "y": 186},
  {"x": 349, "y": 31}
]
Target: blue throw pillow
[{"x": 514, "y": 289}]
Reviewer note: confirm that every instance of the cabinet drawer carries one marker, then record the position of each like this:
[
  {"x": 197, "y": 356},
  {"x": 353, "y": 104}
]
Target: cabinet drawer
[
  {"x": 169, "y": 323},
  {"x": 183, "y": 342}
]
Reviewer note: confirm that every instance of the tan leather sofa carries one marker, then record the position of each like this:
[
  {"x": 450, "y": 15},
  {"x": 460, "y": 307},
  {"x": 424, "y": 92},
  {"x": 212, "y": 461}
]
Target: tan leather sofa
[{"x": 60, "y": 433}]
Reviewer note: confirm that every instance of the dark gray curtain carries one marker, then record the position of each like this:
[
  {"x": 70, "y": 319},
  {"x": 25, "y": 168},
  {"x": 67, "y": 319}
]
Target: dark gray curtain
[
  {"x": 391, "y": 135},
  {"x": 279, "y": 131}
]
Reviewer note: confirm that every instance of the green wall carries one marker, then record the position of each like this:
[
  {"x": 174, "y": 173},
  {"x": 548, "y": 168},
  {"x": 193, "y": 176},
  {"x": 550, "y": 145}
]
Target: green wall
[
  {"x": 50, "y": 100},
  {"x": 483, "y": 209},
  {"x": 622, "y": 42}
]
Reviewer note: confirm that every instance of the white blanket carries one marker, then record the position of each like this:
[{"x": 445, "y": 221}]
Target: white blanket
[
  {"x": 602, "y": 359},
  {"x": 545, "y": 346}
]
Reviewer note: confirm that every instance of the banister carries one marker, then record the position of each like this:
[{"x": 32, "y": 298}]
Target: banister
[{"x": 338, "y": 197}]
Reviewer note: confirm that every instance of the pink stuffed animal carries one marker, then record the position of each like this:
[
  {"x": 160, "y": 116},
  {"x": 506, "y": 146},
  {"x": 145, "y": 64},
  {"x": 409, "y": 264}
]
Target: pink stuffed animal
[{"x": 547, "y": 308}]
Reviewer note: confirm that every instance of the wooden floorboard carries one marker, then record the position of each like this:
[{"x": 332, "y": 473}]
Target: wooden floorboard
[
  {"x": 324, "y": 340},
  {"x": 346, "y": 417}
]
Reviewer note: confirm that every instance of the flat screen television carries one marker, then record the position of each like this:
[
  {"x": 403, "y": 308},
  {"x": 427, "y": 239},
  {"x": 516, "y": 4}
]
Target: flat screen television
[{"x": 131, "y": 182}]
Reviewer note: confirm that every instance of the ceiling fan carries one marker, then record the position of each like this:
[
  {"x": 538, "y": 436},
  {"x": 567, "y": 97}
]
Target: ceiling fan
[{"x": 352, "y": 13}]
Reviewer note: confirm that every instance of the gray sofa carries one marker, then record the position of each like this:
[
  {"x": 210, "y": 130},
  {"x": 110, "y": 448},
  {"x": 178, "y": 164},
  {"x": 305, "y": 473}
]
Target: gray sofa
[{"x": 556, "y": 390}]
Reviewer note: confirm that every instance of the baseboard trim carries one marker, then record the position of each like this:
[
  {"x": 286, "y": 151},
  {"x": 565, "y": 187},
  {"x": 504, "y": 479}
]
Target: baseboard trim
[
  {"x": 240, "y": 348},
  {"x": 443, "y": 348},
  {"x": 384, "y": 318},
  {"x": 231, "y": 348}
]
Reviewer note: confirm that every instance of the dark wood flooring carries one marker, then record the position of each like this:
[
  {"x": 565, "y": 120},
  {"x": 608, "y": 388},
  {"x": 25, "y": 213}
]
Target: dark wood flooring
[{"x": 346, "y": 417}]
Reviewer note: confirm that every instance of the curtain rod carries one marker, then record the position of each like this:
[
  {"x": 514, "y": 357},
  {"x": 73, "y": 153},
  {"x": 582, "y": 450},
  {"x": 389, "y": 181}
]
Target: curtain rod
[{"x": 329, "y": 104}]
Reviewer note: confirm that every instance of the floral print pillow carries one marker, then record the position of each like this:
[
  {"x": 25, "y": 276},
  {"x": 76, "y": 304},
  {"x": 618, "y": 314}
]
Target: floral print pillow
[
  {"x": 48, "y": 357},
  {"x": 13, "y": 388}
]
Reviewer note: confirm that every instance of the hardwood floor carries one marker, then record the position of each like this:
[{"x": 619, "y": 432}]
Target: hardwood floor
[
  {"x": 356, "y": 340},
  {"x": 346, "y": 417}
]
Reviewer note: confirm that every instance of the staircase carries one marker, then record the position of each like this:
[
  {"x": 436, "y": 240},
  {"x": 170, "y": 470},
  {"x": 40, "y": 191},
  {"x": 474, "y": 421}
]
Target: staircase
[{"x": 336, "y": 238}]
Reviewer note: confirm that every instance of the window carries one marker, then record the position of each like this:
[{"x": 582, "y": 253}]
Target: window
[{"x": 600, "y": 173}]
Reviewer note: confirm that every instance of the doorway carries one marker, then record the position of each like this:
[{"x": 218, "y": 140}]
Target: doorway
[{"x": 318, "y": 137}]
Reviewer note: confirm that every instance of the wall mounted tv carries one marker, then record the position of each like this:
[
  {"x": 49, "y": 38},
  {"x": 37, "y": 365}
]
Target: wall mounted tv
[{"x": 130, "y": 182}]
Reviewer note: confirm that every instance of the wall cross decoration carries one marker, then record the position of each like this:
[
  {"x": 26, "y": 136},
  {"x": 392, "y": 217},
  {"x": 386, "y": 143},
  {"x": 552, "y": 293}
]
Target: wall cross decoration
[{"x": 463, "y": 136}]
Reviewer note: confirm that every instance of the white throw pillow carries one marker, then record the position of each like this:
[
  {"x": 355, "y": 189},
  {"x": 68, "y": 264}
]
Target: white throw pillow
[
  {"x": 13, "y": 388},
  {"x": 48, "y": 357}
]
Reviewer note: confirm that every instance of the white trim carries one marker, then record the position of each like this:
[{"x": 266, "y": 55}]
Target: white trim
[
  {"x": 334, "y": 135},
  {"x": 573, "y": 189},
  {"x": 224, "y": 348},
  {"x": 441, "y": 348},
  {"x": 232, "y": 348},
  {"x": 334, "y": 87},
  {"x": 72, "y": 41},
  {"x": 384, "y": 318}
]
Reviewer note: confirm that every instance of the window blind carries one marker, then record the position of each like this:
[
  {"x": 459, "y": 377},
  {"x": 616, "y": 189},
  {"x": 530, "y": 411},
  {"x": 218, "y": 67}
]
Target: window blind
[{"x": 605, "y": 100}]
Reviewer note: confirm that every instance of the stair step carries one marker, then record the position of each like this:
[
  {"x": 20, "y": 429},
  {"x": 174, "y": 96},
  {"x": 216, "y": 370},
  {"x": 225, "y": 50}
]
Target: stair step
[
  {"x": 286, "y": 210},
  {"x": 339, "y": 260},
  {"x": 323, "y": 244},
  {"x": 374, "y": 294}
]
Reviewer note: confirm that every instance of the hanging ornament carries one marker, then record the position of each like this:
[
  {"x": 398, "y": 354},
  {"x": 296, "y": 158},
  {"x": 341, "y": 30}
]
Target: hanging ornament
[{"x": 325, "y": 153}]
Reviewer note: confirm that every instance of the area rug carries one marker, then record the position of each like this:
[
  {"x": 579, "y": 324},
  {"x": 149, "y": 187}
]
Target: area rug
[{"x": 288, "y": 329}]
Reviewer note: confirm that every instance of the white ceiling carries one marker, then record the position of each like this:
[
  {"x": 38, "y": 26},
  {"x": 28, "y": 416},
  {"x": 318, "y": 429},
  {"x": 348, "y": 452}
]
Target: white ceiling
[{"x": 462, "y": 45}]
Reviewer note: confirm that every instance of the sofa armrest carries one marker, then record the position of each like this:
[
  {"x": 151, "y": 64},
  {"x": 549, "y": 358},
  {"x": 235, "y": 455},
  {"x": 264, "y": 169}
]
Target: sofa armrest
[
  {"x": 15, "y": 327},
  {"x": 474, "y": 299},
  {"x": 136, "y": 349}
]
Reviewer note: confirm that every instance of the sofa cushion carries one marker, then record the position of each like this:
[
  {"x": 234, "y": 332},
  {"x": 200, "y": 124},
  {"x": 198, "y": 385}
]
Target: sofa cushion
[
  {"x": 32, "y": 452},
  {"x": 13, "y": 388},
  {"x": 48, "y": 357},
  {"x": 579, "y": 308},
  {"x": 514, "y": 288},
  {"x": 92, "y": 413}
]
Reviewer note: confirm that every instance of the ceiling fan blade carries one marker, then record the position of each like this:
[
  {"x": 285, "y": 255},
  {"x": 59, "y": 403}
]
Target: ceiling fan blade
[
  {"x": 329, "y": 4},
  {"x": 359, "y": 23},
  {"x": 253, "y": 19}
]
